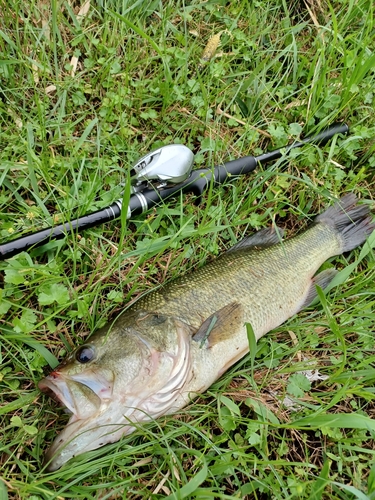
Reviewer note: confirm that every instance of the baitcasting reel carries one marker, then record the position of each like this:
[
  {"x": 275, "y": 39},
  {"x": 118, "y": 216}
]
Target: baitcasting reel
[{"x": 167, "y": 165}]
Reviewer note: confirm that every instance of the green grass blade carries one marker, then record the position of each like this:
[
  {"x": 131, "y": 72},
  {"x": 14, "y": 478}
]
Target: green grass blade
[
  {"x": 189, "y": 488},
  {"x": 319, "y": 485},
  {"x": 89, "y": 127},
  {"x": 19, "y": 404},
  {"x": 344, "y": 421}
]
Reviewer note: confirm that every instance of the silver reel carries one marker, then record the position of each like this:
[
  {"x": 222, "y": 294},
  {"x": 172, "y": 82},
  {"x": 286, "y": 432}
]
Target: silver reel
[{"x": 167, "y": 165}]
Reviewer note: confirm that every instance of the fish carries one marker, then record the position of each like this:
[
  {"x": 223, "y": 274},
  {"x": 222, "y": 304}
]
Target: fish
[{"x": 174, "y": 342}]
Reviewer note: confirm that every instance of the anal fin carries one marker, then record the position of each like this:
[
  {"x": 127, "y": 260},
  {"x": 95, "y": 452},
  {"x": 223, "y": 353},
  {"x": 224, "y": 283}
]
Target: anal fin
[{"x": 322, "y": 279}]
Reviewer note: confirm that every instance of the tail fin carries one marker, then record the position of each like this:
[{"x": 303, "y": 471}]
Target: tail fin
[{"x": 353, "y": 222}]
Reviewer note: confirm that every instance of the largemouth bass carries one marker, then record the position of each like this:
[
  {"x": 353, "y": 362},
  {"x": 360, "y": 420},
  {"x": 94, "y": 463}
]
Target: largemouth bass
[{"x": 174, "y": 342}]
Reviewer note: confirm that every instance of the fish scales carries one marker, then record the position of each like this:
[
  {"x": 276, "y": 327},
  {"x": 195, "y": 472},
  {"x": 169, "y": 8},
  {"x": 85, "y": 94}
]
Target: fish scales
[
  {"x": 174, "y": 342},
  {"x": 244, "y": 276}
]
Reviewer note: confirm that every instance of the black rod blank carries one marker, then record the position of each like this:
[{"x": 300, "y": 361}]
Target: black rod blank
[{"x": 142, "y": 201}]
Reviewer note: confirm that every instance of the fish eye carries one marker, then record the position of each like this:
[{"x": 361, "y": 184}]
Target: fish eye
[{"x": 85, "y": 354}]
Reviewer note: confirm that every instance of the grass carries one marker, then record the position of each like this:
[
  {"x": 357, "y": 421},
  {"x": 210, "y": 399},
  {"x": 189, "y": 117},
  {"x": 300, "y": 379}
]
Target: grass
[{"x": 81, "y": 98}]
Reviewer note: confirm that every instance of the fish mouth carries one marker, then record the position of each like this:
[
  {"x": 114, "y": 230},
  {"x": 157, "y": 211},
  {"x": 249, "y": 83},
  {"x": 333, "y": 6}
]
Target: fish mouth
[
  {"x": 94, "y": 421},
  {"x": 86, "y": 398},
  {"x": 83, "y": 397}
]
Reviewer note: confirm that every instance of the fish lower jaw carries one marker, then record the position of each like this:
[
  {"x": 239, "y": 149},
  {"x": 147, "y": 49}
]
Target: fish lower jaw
[
  {"x": 116, "y": 418},
  {"x": 82, "y": 435}
]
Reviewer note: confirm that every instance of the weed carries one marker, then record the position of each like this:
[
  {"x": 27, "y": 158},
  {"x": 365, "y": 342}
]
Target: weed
[{"x": 86, "y": 92}]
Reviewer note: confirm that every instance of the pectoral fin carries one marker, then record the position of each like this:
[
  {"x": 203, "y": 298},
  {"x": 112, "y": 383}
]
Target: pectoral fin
[{"x": 220, "y": 325}]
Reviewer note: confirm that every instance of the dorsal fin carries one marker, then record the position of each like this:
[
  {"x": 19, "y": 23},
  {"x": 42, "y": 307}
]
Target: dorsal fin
[
  {"x": 262, "y": 239},
  {"x": 220, "y": 325}
]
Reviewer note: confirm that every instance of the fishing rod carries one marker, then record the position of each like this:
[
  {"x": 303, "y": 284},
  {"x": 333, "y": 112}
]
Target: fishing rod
[{"x": 159, "y": 175}]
